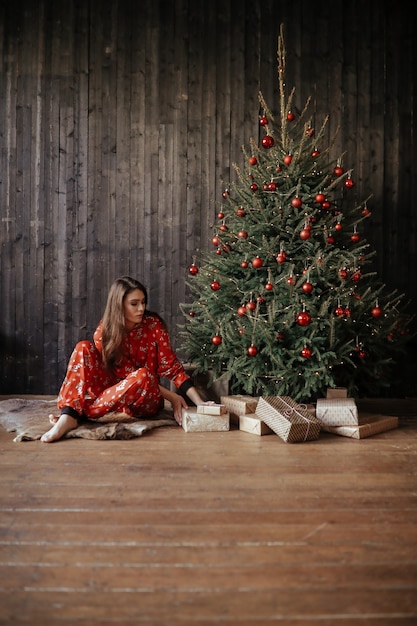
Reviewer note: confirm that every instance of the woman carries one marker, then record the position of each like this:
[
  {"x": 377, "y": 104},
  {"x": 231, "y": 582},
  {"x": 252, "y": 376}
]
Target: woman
[{"x": 121, "y": 370}]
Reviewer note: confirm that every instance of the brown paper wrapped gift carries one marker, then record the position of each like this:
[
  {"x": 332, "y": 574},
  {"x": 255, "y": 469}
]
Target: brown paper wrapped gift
[
  {"x": 254, "y": 425},
  {"x": 337, "y": 411},
  {"x": 291, "y": 421},
  {"x": 239, "y": 405},
  {"x": 369, "y": 425},
  {"x": 336, "y": 392}
]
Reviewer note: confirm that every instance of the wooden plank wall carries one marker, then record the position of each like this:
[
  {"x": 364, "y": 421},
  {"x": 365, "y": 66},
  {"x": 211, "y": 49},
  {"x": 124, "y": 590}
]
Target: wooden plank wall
[{"x": 119, "y": 123}]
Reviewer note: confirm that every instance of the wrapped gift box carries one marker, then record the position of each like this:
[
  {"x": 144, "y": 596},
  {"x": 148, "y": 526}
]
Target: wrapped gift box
[
  {"x": 337, "y": 411},
  {"x": 199, "y": 422},
  {"x": 291, "y": 421},
  {"x": 336, "y": 392},
  {"x": 253, "y": 424},
  {"x": 369, "y": 425},
  {"x": 211, "y": 409},
  {"x": 239, "y": 405}
]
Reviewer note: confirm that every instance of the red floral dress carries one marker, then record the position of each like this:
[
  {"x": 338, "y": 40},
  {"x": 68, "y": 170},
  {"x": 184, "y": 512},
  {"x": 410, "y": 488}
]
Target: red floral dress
[{"x": 92, "y": 391}]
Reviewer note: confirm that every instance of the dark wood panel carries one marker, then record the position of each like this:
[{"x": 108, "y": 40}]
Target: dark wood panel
[{"x": 120, "y": 124}]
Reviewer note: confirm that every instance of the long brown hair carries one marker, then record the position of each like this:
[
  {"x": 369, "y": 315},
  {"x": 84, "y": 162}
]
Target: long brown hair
[{"x": 114, "y": 329}]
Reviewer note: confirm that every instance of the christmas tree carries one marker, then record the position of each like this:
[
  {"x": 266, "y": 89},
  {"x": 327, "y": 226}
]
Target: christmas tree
[{"x": 286, "y": 302}]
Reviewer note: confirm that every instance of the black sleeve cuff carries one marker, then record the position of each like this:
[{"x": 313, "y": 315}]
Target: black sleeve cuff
[
  {"x": 186, "y": 385},
  {"x": 68, "y": 410}
]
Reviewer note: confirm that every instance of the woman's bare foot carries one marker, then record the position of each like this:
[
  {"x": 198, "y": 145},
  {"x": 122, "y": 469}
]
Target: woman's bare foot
[{"x": 61, "y": 426}]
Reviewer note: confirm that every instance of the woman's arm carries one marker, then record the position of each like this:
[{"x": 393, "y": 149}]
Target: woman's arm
[
  {"x": 178, "y": 402},
  {"x": 195, "y": 397}
]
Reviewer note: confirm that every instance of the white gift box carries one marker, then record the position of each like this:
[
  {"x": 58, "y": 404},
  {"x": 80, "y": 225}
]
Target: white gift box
[
  {"x": 254, "y": 425},
  {"x": 211, "y": 409},
  {"x": 337, "y": 411}
]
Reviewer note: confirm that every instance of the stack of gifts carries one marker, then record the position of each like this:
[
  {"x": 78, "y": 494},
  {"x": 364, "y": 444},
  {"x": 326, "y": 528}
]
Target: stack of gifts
[
  {"x": 206, "y": 417},
  {"x": 338, "y": 414}
]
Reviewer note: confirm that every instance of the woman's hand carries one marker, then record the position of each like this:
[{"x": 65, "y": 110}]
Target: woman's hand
[{"x": 177, "y": 402}]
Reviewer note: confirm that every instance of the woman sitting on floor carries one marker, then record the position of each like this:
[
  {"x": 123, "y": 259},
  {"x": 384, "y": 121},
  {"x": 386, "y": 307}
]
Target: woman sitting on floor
[{"x": 121, "y": 369}]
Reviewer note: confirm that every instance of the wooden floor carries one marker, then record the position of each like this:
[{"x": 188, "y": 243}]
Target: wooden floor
[{"x": 207, "y": 528}]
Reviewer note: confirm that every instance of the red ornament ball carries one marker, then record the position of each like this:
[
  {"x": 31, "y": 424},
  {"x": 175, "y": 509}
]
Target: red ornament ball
[
  {"x": 193, "y": 269},
  {"x": 306, "y": 352},
  {"x": 220, "y": 215},
  {"x": 343, "y": 273},
  {"x": 338, "y": 226},
  {"x": 320, "y": 198},
  {"x": 376, "y": 311},
  {"x": 355, "y": 237},
  {"x": 215, "y": 285},
  {"x": 267, "y": 141},
  {"x": 338, "y": 171},
  {"x": 263, "y": 120},
  {"x": 339, "y": 311},
  {"x": 349, "y": 183},
  {"x": 192, "y": 314},
  {"x": 305, "y": 234},
  {"x": 272, "y": 186},
  {"x": 257, "y": 262},
  {"x": 215, "y": 241},
  {"x": 307, "y": 287},
  {"x": 241, "y": 311},
  {"x": 216, "y": 340},
  {"x": 330, "y": 239},
  {"x": 296, "y": 202},
  {"x": 254, "y": 187},
  {"x": 315, "y": 153},
  {"x": 242, "y": 234},
  {"x": 244, "y": 264},
  {"x": 252, "y": 350},
  {"x": 269, "y": 286},
  {"x": 252, "y": 160},
  {"x": 288, "y": 159},
  {"x": 291, "y": 280},
  {"x": 290, "y": 116},
  {"x": 326, "y": 205},
  {"x": 281, "y": 257},
  {"x": 240, "y": 212},
  {"x": 304, "y": 318},
  {"x": 251, "y": 305}
]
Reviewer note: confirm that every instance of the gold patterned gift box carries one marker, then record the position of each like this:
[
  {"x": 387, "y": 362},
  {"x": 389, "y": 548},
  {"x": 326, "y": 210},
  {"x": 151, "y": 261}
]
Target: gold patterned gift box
[
  {"x": 192, "y": 421},
  {"x": 337, "y": 411},
  {"x": 292, "y": 422},
  {"x": 239, "y": 405}
]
